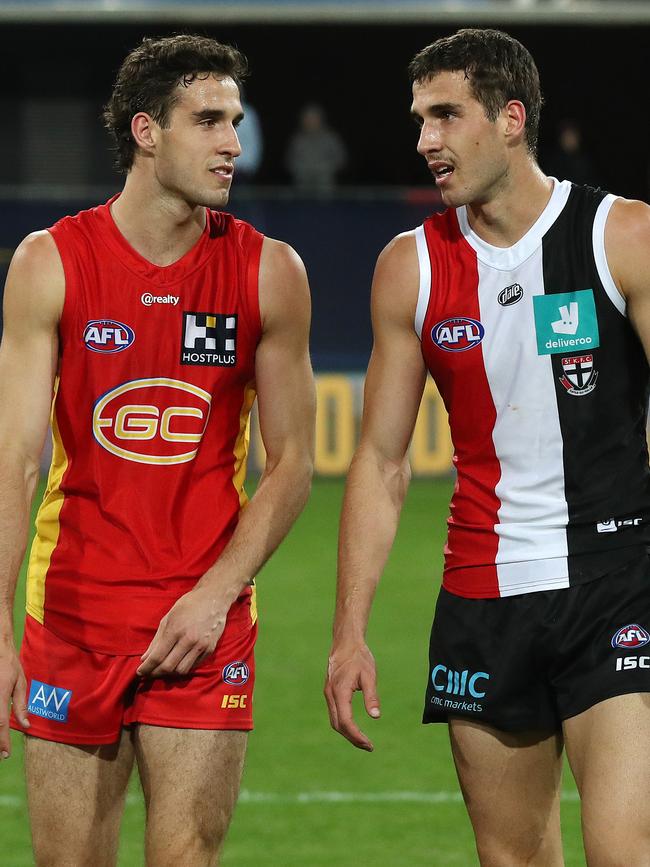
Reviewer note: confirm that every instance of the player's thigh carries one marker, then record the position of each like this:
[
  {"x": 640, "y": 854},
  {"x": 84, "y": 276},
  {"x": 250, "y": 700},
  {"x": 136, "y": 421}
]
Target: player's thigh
[
  {"x": 76, "y": 797},
  {"x": 511, "y": 786},
  {"x": 608, "y": 749},
  {"x": 190, "y": 779}
]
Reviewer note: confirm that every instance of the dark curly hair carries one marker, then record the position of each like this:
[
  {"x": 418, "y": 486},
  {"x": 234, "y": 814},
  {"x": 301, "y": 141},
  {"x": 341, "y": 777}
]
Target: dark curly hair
[
  {"x": 149, "y": 76},
  {"x": 497, "y": 67}
]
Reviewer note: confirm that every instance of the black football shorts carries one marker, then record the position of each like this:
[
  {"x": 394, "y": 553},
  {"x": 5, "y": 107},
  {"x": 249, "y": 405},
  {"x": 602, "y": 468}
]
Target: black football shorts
[{"x": 528, "y": 662}]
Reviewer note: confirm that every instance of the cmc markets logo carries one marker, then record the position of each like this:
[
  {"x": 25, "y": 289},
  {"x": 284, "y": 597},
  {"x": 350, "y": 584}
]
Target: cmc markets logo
[
  {"x": 631, "y": 636},
  {"x": 107, "y": 335},
  {"x": 236, "y": 673},
  {"x": 458, "y": 682},
  {"x": 49, "y": 702},
  {"x": 457, "y": 334},
  {"x": 152, "y": 421}
]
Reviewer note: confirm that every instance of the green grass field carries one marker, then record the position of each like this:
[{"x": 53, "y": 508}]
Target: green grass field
[{"x": 308, "y": 798}]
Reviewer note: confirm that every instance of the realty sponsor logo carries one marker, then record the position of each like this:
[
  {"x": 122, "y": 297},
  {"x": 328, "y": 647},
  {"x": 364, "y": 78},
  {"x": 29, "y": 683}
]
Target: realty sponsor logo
[
  {"x": 578, "y": 374},
  {"x": 612, "y": 525},
  {"x": 459, "y": 684},
  {"x": 510, "y": 295},
  {"x": 631, "y": 636},
  {"x": 49, "y": 702},
  {"x": 209, "y": 339},
  {"x": 566, "y": 321},
  {"x": 107, "y": 336},
  {"x": 457, "y": 334},
  {"x": 148, "y": 299}
]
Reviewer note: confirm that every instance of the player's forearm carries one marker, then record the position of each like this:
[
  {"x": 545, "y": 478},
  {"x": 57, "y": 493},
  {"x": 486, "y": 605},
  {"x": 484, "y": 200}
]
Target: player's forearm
[
  {"x": 280, "y": 497},
  {"x": 374, "y": 495},
  {"x": 18, "y": 480}
]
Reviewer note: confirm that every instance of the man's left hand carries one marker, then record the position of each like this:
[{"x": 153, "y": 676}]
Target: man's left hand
[{"x": 186, "y": 635}]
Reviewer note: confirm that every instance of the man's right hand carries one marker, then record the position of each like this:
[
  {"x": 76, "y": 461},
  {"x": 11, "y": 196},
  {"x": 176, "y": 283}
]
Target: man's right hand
[
  {"x": 13, "y": 688},
  {"x": 351, "y": 669}
]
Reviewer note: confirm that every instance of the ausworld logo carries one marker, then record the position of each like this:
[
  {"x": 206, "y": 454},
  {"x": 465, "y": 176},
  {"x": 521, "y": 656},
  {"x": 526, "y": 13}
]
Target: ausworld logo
[
  {"x": 457, "y": 334},
  {"x": 566, "y": 321},
  {"x": 49, "y": 702}
]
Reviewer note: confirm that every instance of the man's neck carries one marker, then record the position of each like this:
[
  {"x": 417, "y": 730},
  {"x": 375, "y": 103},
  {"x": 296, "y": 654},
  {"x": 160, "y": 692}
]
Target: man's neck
[
  {"x": 514, "y": 209},
  {"x": 159, "y": 226}
]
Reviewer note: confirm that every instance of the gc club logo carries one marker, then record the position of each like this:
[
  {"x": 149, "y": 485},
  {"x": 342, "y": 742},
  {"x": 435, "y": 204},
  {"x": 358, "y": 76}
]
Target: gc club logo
[
  {"x": 152, "y": 421},
  {"x": 236, "y": 673},
  {"x": 107, "y": 336},
  {"x": 631, "y": 636},
  {"x": 457, "y": 334}
]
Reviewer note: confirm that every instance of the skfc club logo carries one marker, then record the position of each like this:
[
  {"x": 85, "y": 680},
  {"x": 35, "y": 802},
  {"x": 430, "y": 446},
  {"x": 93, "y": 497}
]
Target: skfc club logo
[
  {"x": 631, "y": 636},
  {"x": 49, "y": 702},
  {"x": 579, "y": 375},
  {"x": 107, "y": 336},
  {"x": 236, "y": 673},
  {"x": 457, "y": 334},
  {"x": 152, "y": 421}
]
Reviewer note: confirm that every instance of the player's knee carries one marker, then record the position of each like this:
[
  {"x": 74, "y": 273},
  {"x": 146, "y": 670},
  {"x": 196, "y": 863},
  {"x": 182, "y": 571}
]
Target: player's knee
[
  {"x": 612, "y": 844},
  {"x": 531, "y": 849}
]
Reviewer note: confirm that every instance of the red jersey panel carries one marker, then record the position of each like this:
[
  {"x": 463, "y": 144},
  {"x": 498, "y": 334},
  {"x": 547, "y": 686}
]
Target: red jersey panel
[{"x": 149, "y": 419}]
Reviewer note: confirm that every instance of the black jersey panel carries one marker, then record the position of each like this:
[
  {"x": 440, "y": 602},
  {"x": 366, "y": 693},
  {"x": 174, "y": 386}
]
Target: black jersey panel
[{"x": 601, "y": 388}]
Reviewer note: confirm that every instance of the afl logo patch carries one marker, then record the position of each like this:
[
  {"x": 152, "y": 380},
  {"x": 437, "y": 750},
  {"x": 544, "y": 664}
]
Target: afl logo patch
[
  {"x": 107, "y": 336},
  {"x": 631, "y": 636},
  {"x": 510, "y": 295},
  {"x": 457, "y": 334},
  {"x": 236, "y": 673}
]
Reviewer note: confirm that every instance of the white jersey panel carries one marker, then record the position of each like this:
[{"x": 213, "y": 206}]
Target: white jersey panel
[{"x": 532, "y": 548}]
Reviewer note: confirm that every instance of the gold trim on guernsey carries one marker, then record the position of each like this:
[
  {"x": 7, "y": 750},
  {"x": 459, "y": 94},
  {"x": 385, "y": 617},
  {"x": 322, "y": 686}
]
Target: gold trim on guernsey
[
  {"x": 47, "y": 523},
  {"x": 240, "y": 452}
]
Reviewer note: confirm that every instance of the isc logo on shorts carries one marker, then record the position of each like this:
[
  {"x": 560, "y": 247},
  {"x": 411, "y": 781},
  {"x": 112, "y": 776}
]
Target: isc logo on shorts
[
  {"x": 152, "y": 421},
  {"x": 236, "y": 673},
  {"x": 631, "y": 636},
  {"x": 626, "y": 663},
  {"x": 49, "y": 702}
]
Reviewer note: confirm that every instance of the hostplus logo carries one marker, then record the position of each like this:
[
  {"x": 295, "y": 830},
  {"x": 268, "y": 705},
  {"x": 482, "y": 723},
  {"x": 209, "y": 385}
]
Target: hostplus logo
[{"x": 49, "y": 702}]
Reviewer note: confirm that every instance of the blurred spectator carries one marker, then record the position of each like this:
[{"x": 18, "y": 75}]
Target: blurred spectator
[
  {"x": 249, "y": 133},
  {"x": 568, "y": 161},
  {"x": 315, "y": 153}
]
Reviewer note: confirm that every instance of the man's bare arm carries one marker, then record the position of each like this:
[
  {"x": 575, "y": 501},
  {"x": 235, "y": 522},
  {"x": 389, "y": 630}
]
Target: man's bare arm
[
  {"x": 627, "y": 244},
  {"x": 33, "y": 301},
  {"x": 377, "y": 481},
  {"x": 286, "y": 411}
]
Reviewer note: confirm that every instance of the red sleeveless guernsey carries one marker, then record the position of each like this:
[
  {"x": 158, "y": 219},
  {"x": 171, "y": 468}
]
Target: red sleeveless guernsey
[{"x": 150, "y": 427}]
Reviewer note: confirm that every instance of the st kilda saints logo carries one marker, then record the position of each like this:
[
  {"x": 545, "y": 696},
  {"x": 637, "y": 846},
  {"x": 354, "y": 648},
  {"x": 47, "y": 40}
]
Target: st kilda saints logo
[
  {"x": 578, "y": 374},
  {"x": 209, "y": 339}
]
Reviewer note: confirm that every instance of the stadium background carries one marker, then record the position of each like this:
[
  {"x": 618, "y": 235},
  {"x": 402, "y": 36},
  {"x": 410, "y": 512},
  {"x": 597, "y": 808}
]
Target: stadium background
[{"x": 308, "y": 798}]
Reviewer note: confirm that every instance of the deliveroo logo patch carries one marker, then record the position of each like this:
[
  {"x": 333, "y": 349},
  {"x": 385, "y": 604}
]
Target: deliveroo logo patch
[{"x": 566, "y": 322}]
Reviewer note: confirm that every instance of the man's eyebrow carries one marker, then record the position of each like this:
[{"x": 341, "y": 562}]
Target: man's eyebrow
[
  {"x": 215, "y": 114},
  {"x": 440, "y": 108}
]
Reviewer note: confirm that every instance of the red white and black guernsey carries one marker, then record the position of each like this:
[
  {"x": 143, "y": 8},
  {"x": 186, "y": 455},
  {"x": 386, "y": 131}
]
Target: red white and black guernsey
[{"x": 546, "y": 386}]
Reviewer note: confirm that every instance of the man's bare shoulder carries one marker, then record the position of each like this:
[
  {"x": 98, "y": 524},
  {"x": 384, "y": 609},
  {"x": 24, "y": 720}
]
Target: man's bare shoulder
[
  {"x": 283, "y": 281},
  {"x": 36, "y": 279},
  {"x": 397, "y": 277},
  {"x": 627, "y": 244}
]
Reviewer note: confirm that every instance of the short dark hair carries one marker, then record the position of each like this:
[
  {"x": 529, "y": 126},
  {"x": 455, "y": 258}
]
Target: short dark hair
[
  {"x": 149, "y": 76},
  {"x": 497, "y": 66}
]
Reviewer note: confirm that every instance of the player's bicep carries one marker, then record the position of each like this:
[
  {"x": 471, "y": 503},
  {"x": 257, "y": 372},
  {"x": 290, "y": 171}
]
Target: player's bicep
[
  {"x": 284, "y": 379},
  {"x": 33, "y": 299},
  {"x": 396, "y": 373}
]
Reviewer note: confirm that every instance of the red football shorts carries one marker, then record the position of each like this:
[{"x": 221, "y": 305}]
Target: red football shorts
[{"x": 76, "y": 696}]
